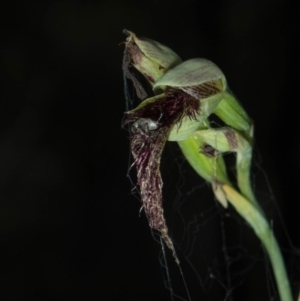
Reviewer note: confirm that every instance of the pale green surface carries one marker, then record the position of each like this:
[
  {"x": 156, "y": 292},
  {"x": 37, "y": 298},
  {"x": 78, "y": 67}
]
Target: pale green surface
[
  {"x": 161, "y": 54},
  {"x": 193, "y": 72},
  {"x": 150, "y": 57},
  {"x": 216, "y": 137},
  {"x": 208, "y": 168},
  {"x": 233, "y": 114}
]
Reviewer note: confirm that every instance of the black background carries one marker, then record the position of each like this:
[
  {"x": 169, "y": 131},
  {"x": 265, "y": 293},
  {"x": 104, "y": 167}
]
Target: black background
[{"x": 69, "y": 228}]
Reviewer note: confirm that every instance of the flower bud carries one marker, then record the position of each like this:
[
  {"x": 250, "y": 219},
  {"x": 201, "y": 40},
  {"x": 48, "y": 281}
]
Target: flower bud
[{"x": 149, "y": 57}]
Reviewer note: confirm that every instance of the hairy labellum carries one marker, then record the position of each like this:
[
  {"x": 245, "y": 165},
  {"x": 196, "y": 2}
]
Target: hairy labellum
[{"x": 150, "y": 128}]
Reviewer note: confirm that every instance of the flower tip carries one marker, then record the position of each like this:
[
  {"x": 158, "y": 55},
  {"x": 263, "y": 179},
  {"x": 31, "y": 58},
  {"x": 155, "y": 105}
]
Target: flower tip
[
  {"x": 150, "y": 57},
  {"x": 125, "y": 31}
]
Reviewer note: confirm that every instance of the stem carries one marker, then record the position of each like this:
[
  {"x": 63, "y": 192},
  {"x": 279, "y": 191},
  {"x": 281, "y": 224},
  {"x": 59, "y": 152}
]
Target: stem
[
  {"x": 264, "y": 232},
  {"x": 243, "y": 165}
]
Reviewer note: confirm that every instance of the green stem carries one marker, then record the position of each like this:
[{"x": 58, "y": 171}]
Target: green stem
[
  {"x": 264, "y": 232},
  {"x": 243, "y": 167}
]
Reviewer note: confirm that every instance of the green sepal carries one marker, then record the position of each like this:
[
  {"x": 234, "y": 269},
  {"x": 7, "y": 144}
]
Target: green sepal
[
  {"x": 233, "y": 114},
  {"x": 211, "y": 169},
  {"x": 193, "y": 72}
]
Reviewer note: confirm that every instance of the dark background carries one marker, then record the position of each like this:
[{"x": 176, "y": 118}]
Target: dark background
[{"x": 69, "y": 228}]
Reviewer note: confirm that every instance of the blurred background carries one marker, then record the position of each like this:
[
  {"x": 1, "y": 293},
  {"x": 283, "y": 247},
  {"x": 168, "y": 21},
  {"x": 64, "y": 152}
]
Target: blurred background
[{"x": 69, "y": 226}]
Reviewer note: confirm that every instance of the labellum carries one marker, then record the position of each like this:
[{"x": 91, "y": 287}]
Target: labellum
[{"x": 150, "y": 128}]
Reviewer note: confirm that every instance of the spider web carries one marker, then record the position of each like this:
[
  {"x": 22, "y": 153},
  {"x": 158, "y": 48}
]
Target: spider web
[{"x": 220, "y": 256}]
